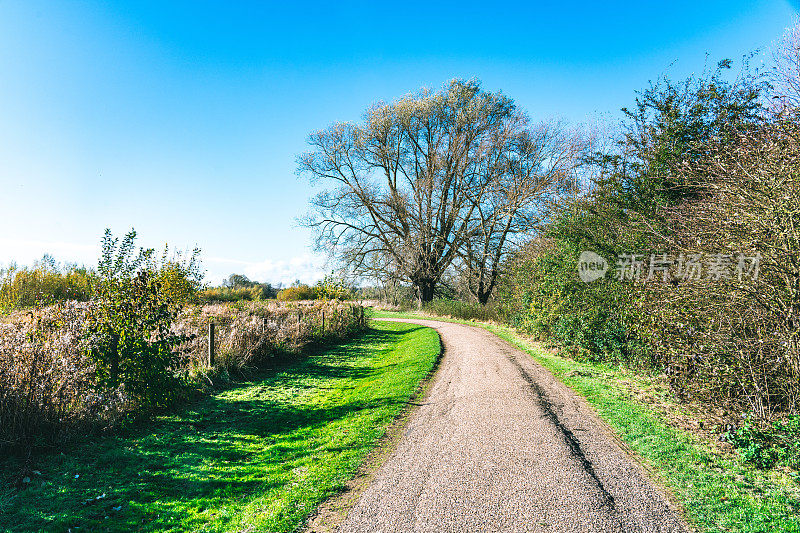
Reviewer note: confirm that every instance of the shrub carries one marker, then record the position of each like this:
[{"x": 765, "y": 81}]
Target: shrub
[
  {"x": 298, "y": 292},
  {"x": 543, "y": 296},
  {"x": 229, "y": 294},
  {"x": 333, "y": 288},
  {"x": 178, "y": 279},
  {"x": 776, "y": 443},
  {"x": 129, "y": 339},
  {"x": 127, "y": 329},
  {"x": 750, "y": 205}
]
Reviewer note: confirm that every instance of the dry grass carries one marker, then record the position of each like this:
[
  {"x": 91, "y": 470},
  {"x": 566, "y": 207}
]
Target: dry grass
[
  {"x": 249, "y": 332},
  {"x": 45, "y": 380},
  {"x": 47, "y": 386}
]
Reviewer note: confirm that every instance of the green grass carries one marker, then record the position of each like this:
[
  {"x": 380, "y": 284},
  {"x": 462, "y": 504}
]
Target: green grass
[
  {"x": 261, "y": 455},
  {"x": 719, "y": 492}
]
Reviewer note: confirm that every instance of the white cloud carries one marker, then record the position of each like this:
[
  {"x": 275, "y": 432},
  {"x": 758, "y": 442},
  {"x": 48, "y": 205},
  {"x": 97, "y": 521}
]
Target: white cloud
[{"x": 307, "y": 268}]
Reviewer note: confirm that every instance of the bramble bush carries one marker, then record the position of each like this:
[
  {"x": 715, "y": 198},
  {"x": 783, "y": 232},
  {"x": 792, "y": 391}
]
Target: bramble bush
[{"x": 768, "y": 445}]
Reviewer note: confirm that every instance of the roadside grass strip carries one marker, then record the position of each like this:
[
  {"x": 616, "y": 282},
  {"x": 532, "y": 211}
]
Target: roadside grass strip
[
  {"x": 718, "y": 492},
  {"x": 256, "y": 457}
]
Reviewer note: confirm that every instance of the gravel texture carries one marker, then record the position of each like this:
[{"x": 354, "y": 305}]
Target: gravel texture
[{"x": 499, "y": 444}]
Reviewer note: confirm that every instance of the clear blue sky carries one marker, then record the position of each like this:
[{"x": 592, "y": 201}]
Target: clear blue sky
[{"x": 183, "y": 120}]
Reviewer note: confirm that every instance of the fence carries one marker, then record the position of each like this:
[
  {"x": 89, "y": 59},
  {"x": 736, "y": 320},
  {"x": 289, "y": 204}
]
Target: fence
[{"x": 246, "y": 333}]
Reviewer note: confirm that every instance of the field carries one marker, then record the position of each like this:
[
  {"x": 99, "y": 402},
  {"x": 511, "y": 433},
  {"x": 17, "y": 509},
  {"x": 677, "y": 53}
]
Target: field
[{"x": 260, "y": 455}]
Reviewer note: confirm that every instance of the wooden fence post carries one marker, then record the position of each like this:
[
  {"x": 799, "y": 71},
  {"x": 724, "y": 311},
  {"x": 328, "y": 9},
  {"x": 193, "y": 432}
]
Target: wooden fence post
[{"x": 211, "y": 344}]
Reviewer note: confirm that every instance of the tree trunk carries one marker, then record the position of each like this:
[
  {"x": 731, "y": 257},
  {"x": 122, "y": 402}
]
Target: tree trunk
[
  {"x": 483, "y": 297},
  {"x": 425, "y": 289}
]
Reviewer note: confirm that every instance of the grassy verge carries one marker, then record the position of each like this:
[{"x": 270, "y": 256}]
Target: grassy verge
[
  {"x": 257, "y": 457},
  {"x": 718, "y": 491}
]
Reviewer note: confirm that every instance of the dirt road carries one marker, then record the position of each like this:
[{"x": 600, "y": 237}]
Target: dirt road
[{"x": 500, "y": 445}]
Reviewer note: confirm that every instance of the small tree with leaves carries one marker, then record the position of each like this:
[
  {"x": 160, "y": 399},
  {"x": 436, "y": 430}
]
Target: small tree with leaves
[
  {"x": 128, "y": 327},
  {"x": 333, "y": 287}
]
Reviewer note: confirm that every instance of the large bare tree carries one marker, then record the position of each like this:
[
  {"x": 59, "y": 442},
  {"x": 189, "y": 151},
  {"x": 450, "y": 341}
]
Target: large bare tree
[{"x": 410, "y": 189}]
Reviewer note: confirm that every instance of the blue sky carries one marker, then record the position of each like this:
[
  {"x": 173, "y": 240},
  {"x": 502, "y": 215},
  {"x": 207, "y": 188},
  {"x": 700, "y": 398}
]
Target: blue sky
[{"x": 184, "y": 119}]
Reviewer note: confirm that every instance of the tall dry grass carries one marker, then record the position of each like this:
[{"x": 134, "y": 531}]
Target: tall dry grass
[
  {"x": 46, "y": 381},
  {"x": 248, "y": 333},
  {"x": 47, "y": 387}
]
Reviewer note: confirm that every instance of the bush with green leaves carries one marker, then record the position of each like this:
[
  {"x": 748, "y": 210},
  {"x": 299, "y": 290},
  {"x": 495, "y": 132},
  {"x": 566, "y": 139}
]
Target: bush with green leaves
[
  {"x": 332, "y": 287},
  {"x": 543, "y": 295},
  {"x": 768, "y": 445},
  {"x": 128, "y": 328}
]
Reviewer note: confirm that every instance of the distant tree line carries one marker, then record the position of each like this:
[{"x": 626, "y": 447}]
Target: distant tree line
[{"x": 239, "y": 287}]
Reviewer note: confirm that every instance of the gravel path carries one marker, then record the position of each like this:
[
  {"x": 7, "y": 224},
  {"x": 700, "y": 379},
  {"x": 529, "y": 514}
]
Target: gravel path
[{"x": 500, "y": 445}]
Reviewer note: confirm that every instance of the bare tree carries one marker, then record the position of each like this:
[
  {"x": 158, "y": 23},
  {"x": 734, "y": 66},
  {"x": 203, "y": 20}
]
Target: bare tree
[
  {"x": 536, "y": 169},
  {"x": 412, "y": 186},
  {"x": 785, "y": 76}
]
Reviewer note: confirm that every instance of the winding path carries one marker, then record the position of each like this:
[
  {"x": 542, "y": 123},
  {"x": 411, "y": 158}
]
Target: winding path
[{"x": 500, "y": 445}]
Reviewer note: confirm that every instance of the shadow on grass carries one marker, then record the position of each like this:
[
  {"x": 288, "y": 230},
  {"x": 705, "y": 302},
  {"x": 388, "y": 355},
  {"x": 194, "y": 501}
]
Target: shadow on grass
[{"x": 219, "y": 448}]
